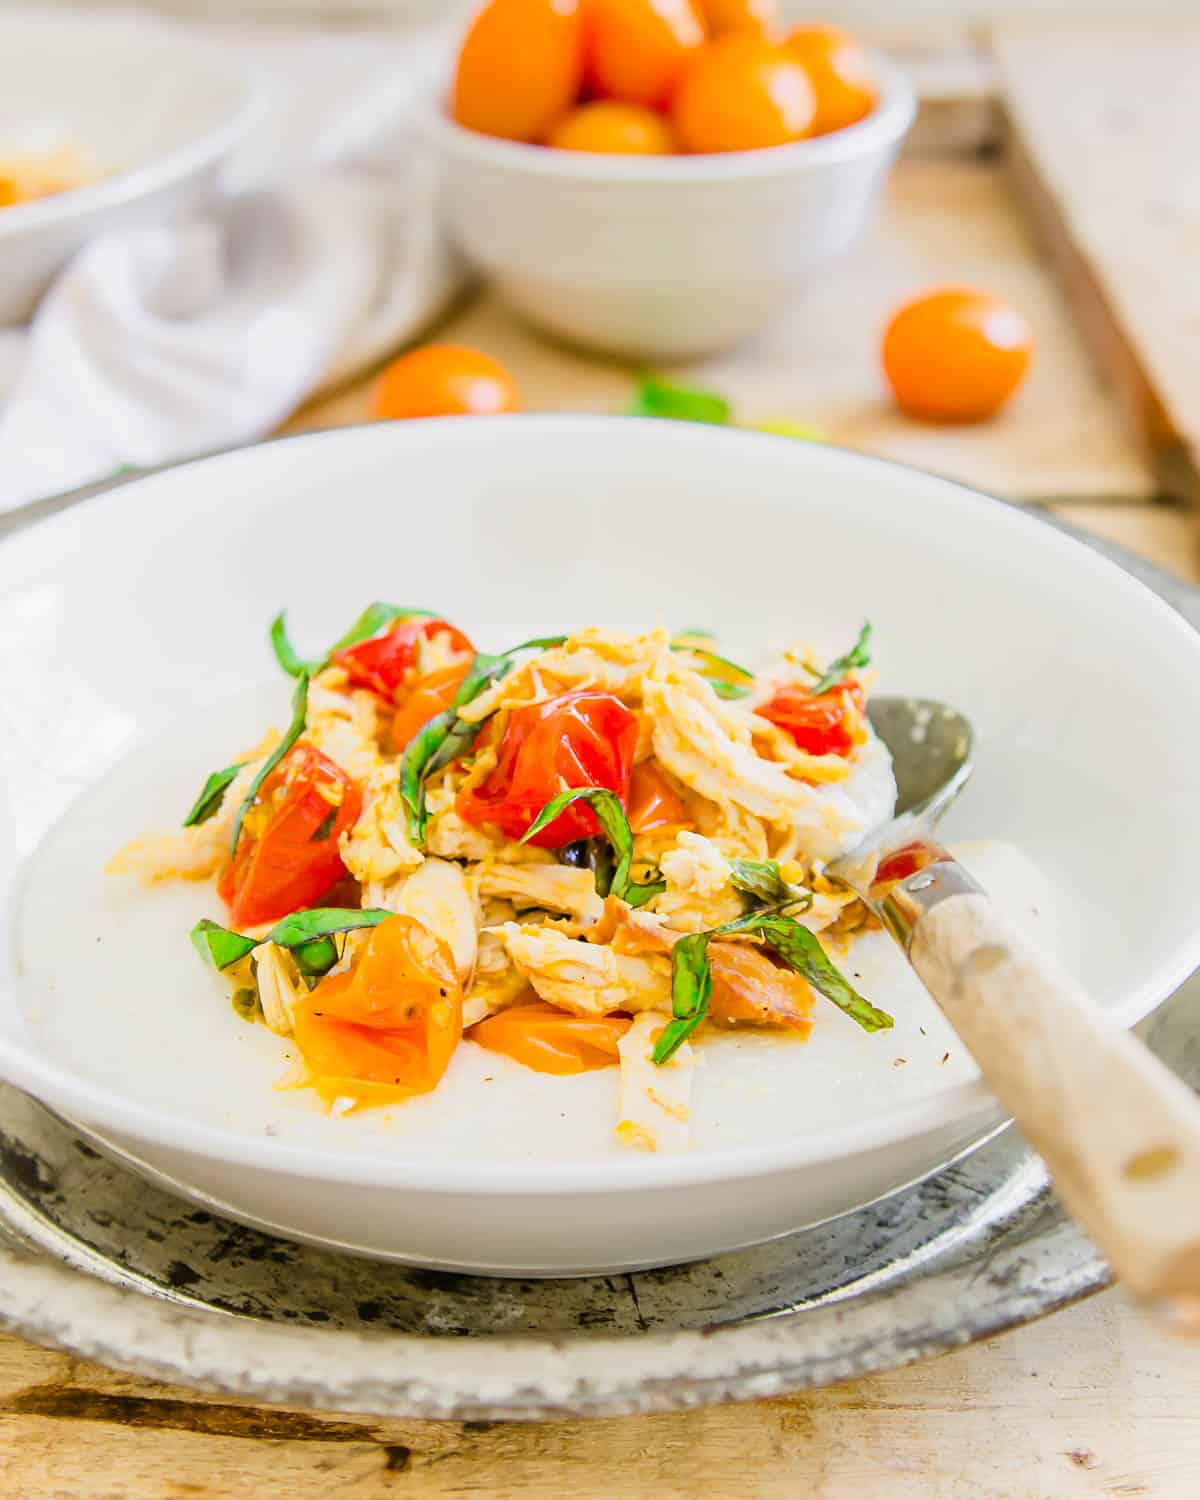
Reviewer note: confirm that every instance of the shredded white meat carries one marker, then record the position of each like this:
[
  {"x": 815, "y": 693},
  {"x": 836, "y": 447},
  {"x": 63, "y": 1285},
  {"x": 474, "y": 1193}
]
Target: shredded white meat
[
  {"x": 655, "y": 1099},
  {"x": 587, "y": 979}
]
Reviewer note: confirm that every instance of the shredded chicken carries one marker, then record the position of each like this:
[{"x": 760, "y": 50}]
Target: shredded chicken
[
  {"x": 655, "y": 1099},
  {"x": 556, "y": 887},
  {"x": 438, "y": 895},
  {"x": 587, "y": 979},
  {"x": 279, "y": 986},
  {"x": 750, "y": 989},
  {"x": 699, "y": 894},
  {"x": 591, "y": 659}
]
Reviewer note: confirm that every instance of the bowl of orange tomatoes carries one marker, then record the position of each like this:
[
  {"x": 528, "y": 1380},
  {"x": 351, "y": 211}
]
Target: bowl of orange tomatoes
[{"x": 653, "y": 178}]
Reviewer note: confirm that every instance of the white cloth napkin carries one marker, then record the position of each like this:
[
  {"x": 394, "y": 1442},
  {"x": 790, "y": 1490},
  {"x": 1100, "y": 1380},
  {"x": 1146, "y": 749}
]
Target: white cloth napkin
[{"x": 160, "y": 343}]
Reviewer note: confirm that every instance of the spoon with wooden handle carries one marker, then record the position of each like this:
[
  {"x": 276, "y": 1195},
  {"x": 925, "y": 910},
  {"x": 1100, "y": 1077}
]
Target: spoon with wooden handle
[{"x": 1118, "y": 1131}]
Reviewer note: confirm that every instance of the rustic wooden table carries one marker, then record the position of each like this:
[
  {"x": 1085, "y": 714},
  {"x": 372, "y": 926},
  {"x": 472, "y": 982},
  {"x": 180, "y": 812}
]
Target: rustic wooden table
[{"x": 1094, "y": 1402}]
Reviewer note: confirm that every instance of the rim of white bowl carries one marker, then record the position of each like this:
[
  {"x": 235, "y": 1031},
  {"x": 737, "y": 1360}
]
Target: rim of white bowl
[
  {"x": 883, "y": 128},
  {"x": 969, "y": 1106},
  {"x": 161, "y": 171}
]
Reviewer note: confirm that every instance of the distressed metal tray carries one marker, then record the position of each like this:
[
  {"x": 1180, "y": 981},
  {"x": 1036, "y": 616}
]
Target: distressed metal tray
[{"x": 95, "y": 1261}]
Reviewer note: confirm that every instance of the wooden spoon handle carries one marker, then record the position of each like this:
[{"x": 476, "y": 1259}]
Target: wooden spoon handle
[{"x": 1118, "y": 1131}]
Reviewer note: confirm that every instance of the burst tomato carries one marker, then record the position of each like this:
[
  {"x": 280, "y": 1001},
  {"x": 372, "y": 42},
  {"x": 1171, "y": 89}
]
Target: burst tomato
[
  {"x": 653, "y": 802},
  {"x": 429, "y": 695},
  {"x": 287, "y": 856},
  {"x": 579, "y": 739},
  {"x": 384, "y": 662},
  {"x": 519, "y": 68},
  {"x": 551, "y": 1041},
  {"x": 388, "y": 1025},
  {"x": 827, "y": 725}
]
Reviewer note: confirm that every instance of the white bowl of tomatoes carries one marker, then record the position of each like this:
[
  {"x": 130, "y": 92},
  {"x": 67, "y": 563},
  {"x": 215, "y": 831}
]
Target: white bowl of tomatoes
[{"x": 659, "y": 199}]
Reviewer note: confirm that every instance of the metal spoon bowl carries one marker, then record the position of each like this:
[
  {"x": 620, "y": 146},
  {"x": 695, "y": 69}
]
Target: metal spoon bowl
[{"x": 931, "y": 748}]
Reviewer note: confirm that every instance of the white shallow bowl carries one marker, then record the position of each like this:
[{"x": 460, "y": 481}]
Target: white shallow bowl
[
  {"x": 663, "y": 257},
  {"x": 127, "y": 617},
  {"x": 158, "y": 114}
]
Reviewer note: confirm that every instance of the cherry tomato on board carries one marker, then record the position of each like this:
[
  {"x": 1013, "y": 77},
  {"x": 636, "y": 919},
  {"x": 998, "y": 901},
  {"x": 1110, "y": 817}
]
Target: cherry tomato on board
[
  {"x": 636, "y": 50},
  {"x": 519, "y": 68},
  {"x": 387, "y": 1026},
  {"x": 608, "y": 126},
  {"x": 831, "y": 724},
  {"x": 383, "y": 662},
  {"x": 429, "y": 695},
  {"x": 287, "y": 856},
  {"x": 838, "y": 70},
  {"x": 653, "y": 802},
  {"x": 444, "y": 380},
  {"x": 551, "y": 1041},
  {"x": 579, "y": 739},
  {"x": 955, "y": 355},
  {"x": 740, "y": 93}
]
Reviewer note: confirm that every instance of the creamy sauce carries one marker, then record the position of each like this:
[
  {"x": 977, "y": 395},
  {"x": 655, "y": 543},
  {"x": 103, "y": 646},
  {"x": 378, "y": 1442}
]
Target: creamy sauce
[{"x": 113, "y": 989}]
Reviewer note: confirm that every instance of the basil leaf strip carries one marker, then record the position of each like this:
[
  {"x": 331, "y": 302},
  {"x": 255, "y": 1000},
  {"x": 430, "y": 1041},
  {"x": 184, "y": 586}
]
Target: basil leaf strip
[
  {"x": 720, "y": 685},
  {"x": 294, "y": 730},
  {"x": 445, "y": 737},
  {"x": 212, "y": 794},
  {"x": 218, "y": 946},
  {"x": 324, "y": 828},
  {"x": 728, "y": 689},
  {"x": 369, "y": 623},
  {"x": 762, "y": 880},
  {"x": 859, "y": 655},
  {"x": 799, "y": 949},
  {"x": 659, "y": 398},
  {"x": 305, "y": 933},
  {"x": 611, "y": 817}
]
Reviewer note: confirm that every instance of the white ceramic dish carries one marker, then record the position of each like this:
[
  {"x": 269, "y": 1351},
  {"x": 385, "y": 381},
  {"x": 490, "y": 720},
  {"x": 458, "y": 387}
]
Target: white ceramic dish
[
  {"x": 133, "y": 614},
  {"x": 158, "y": 114},
  {"x": 663, "y": 257}
]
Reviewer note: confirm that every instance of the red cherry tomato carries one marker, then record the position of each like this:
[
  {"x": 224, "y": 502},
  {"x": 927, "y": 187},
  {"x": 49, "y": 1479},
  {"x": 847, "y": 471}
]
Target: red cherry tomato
[
  {"x": 388, "y": 1025},
  {"x": 384, "y": 662},
  {"x": 580, "y": 739},
  {"x": 828, "y": 725},
  {"x": 287, "y": 856},
  {"x": 653, "y": 802},
  {"x": 549, "y": 1040}
]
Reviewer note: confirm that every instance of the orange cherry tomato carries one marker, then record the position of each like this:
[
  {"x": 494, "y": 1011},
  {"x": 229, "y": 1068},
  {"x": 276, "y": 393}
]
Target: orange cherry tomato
[
  {"x": 827, "y": 725},
  {"x": 287, "y": 856},
  {"x": 607, "y": 125},
  {"x": 384, "y": 662},
  {"x": 444, "y": 380},
  {"x": 838, "y": 70},
  {"x": 551, "y": 1041},
  {"x": 430, "y": 695},
  {"x": 387, "y": 1026},
  {"x": 721, "y": 16},
  {"x": 956, "y": 355},
  {"x": 740, "y": 93},
  {"x": 637, "y": 50},
  {"x": 519, "y": 68},
  {"x": 653, "y": 802}
]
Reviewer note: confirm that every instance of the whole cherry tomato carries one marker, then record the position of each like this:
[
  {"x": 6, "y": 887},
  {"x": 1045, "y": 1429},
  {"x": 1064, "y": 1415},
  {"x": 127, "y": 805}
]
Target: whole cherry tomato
[
  {"x": 653, "y": 802},
  {"x": 838, "y": 70},
  {"x": 721, "y": 16},
  {"x": 955, "y": 355},
  {"x": 287, "y": 856},
  {"x": 831, "y": 724},
  {"x": 383, "y": 663},
  {"x": 387, "y": 1026},
  {"x": 519, "y": 68},
  {"x": 551, "y": 1041},
  {"x": 607, "y": 125},
  {"x": 579, "y": 739},
  {"x": 636, "y": 50},
  {"x": 444, "y": 380},
  {"x": 740, "y": 93}
]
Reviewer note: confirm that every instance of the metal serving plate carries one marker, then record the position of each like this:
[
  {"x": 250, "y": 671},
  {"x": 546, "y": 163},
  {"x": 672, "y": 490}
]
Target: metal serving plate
[{"x": 112, "y": 1269}]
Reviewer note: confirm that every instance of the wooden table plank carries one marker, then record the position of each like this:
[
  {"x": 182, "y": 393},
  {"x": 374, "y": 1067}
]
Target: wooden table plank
[
  {"x": 1103, "y": 125},
  {"x": 1061, "y": 438},
  {"x": 1091, "y": 1403}
]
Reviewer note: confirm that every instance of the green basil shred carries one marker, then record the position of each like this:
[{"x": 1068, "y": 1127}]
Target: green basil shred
[
  {"x": 760, "y": 878},
  {"x": 307, "y": 934},
  {"x": 680, "y": 403},
  {"x": 294, "y": 730},
  {"x": 212, "y": 794},
  {"x": 691, "y": 976},
  {"x": 372, "y": 620},
  {"x": 859, "y": 655},
  {"x": 611, "y": 817}
]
